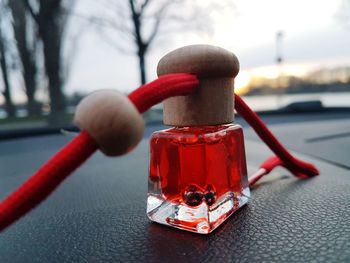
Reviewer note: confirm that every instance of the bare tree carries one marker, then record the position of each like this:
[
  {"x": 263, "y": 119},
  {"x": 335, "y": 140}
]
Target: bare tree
[
  {"x": 4, "y": 65},
  {"x": 142, "y": 21},
  {"x": 51, "y": 20},
  {"x": 26, "y": 42}
]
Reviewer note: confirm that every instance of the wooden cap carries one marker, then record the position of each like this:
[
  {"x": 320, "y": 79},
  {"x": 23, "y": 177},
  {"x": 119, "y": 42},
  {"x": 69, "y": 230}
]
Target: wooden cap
[{"x": 212, "y": 104}]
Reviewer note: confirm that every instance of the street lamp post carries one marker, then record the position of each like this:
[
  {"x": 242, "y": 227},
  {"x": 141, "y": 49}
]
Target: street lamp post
[{"x": 279, "y": 63}]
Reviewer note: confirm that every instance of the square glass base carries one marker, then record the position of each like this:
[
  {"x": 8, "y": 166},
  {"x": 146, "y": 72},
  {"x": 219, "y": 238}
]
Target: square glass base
[{"x": 202, "y": 219}]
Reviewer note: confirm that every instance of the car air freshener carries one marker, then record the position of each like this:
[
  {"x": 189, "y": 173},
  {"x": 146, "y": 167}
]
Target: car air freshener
[{"x": 197, "y": 173}]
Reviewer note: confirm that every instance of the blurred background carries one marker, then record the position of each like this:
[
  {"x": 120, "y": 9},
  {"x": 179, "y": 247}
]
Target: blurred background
[{"x": 293, "y": 54}]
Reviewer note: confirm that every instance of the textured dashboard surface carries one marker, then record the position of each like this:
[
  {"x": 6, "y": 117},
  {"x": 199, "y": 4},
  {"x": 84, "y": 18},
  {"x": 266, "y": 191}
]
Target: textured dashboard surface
[
  {"x": 98, "y": 214},
  {"x": 328, "y": 139}
]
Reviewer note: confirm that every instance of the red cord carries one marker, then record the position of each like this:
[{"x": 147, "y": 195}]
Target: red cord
[
  {"x": 164, "y": 87},
  {"x": 265, "y": 168},
  {"x": 297, "y": 167},
  {"x": 50, "y": 175},
  {"x": 47, "y": 178}
]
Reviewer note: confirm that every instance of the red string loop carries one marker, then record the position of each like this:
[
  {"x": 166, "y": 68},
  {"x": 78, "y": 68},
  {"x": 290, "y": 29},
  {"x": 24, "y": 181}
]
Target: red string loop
[
  {"x": 298, "y": 167},
  {"x": 170, "y": 85},
  {"x": 39, "y": 186},
  {"x": 42, "y": 183}
]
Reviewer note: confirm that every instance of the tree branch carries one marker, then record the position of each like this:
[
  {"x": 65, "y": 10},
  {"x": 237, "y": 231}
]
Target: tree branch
[
  {"x": 132, "y": 7},
  {"x": 116, "y": 7},
  {"x": 154, "y": 31},
  {"x": 103, "y": 22},
  {"x": 31, "y": 11},
  {"x": 72, "y": 52},
  {"x": 158, "y": 19},
  {"x": 137, "y": 32},
  {"x": 144, "y": 5},
  {"x": 118, "y": 47}
]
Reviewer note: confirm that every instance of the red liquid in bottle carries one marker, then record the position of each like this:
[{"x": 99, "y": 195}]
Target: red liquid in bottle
[{"x": 196, "y": 168}]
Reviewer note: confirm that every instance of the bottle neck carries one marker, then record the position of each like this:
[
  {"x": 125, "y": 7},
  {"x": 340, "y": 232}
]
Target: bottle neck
[
  {"x": 204, "y": 128},
  {"x": 211, "y": 104}
]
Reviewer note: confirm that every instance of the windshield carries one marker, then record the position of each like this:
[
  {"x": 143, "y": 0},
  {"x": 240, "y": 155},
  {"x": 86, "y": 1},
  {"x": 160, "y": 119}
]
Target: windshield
[{"x": 54, "y": 52}]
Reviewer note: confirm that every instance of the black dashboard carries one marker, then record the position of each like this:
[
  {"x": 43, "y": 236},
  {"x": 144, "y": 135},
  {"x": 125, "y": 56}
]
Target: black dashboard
[{"x": 98, "y": 214}]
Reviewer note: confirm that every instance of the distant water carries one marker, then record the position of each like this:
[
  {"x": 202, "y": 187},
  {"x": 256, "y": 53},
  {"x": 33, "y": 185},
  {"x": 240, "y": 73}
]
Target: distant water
[
  {"x": 273, "y": 102},
  {"x": 20, "y": 113},
  {"x": 263, "y": 102}
]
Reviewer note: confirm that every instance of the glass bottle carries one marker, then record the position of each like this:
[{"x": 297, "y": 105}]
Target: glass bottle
[
  {"x": 197, "y": 173},
  {"x": 198, "y": 176}
]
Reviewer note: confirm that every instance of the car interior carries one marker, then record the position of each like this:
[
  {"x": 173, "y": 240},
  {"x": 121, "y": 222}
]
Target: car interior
[{"x": 115, "y": 125}]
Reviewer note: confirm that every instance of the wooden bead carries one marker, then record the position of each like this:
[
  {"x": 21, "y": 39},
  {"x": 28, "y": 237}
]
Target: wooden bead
[
  {"x": 112, "y": 120},
  {"x": 212, "y": 104}
]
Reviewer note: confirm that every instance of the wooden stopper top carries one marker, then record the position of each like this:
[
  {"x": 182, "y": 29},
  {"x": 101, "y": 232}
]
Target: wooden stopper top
[{"x": 212, "y": 104}]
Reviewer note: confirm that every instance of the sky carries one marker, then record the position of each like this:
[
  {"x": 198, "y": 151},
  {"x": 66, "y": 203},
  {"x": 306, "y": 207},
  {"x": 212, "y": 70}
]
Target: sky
[{"x": 313, "y": 37}]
